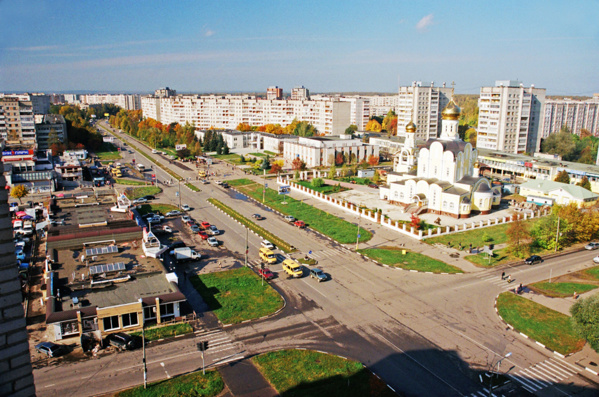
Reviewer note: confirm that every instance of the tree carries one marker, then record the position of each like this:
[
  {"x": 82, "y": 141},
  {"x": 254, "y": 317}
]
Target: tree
[
  {"x": 266, "y": 163},
  {"x": 183, "y": 153},
  {"x": 332, "y": 172},
  {"x": 415, "y": 221},
  {"x": 298, "y": 165},
  {"x": 243, "y": 127},
  {"x": 19, "y": 192},
  {"x": 351, "y": 129},
  {"x": 563, "y": 143},
  {"x": 275, "y": 168},
  {"x": 584, "y": 182},
  {"x": 562, "y": 177},
  {"x": 373, "y": 160},
  {"x": 374, "y": 126},
  {"x": 339, "y": 158},
  {"x": 585, "y": 320},
  {"x": 376, "y": 177},
  {"x": 317, "y": 182},
  {"x": 518, "y": 236},
  {"x": 303, "y": 128},
  {"x": 470, "y": 136},
  {"x": 225, "y": 148}
]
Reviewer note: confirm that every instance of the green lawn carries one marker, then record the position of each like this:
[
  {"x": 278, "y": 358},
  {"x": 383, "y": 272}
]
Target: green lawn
[
  {"x": 500, "y": 256},
  {"x": 561, "y": 290},
  {"x": 167, "y": 331},
  {"x": 154, "y": 208},
  {"x": 192, "y": 187},
  {"x": 324, "y": 189},
  {"x": 411, "y": 261},
  {"x": 237, "y": 295},
  {"x": 240, "y": 182},
  {"x": 137, "y": 192},
  {"x": 271, "y": 153},
  {"x": 230, "y": 158},
  {"x": 194, "y": 384},
  {"x": 129, "y": 182},
  {"x": 475, "y": 237},
  {"x": 283, "y": 245},
  {"x": 327, "y": 224},
  {"x": 257, "y": 154},
  {"x": 593, "y": 273},
  {"x": 304, "y": 373},
  {"x": 547, "y": 326},
  {"x": 108, "y": 152}
]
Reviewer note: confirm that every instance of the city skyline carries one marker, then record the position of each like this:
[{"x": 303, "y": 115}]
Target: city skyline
[{"x": 232, "y": 46}]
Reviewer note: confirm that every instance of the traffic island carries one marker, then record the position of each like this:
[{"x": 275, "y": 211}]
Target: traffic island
[
  {"x": 194, "y": 384},
  {"x": 237, "y": 295},
  {"x": 303, "y": 373},
  {"x": 547, "y": 327},
  {"x": 403, "y": 259}
]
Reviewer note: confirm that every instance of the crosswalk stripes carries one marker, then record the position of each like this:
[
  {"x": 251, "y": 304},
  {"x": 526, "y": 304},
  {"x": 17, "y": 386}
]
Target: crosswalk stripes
[
  {"x": 326, "y": 253},
  {"x": 495, "y": 279},
  {"x": 221, "y": 347},
  {"x": 544, "y": 374},
  {"x": 482, "y": 393}
]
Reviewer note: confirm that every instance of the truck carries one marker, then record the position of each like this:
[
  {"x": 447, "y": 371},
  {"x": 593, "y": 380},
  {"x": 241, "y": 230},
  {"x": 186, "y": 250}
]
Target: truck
[
  {"x": 141, "y": 167},
  {"x": 185, "y": 254}
]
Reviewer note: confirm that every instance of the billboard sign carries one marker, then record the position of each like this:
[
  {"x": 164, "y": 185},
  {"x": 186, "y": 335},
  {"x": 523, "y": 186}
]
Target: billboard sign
[
  {"x": 108, "y": 139},
  {"x": 284, "y": 189},
  {"x": 180, "y": 147}
]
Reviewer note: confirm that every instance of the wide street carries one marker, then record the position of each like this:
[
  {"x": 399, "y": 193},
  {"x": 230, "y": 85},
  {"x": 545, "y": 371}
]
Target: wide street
[{"x": 423, "y": 334}]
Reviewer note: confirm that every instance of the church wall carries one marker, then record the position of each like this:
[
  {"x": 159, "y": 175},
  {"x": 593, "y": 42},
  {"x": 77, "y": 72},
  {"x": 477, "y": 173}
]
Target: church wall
[{"x": 423, "y": 160}]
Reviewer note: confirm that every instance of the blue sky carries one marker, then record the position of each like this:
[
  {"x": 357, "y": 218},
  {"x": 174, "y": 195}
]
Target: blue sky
[{"x": 232, "y": 46}]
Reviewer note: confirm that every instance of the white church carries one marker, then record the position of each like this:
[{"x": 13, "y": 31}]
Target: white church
[{"x": 440, "y": 177}]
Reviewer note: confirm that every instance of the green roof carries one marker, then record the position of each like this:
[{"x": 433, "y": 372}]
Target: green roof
[{"x": 546, "y": 186}]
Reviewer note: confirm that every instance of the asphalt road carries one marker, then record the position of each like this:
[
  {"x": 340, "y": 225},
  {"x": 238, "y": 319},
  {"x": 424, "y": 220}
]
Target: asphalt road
[{"x": 423, "y": 334}]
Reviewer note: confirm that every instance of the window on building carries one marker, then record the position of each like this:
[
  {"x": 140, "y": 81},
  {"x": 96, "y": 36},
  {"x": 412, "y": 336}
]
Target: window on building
[
  {"x": 167, "y": 309},
  {"x": 111, "y": 323},
  {"x": 129, "y": 320}
]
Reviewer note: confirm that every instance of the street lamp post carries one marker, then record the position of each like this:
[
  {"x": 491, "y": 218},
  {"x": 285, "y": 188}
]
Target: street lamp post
[
  {"x": 179, "y": 194},
  {"x": 358, "y": 233},
  {"x": 495, "y": 373}
]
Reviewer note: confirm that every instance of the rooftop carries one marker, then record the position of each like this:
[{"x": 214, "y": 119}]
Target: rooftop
[{"x": 546, "y": 187}]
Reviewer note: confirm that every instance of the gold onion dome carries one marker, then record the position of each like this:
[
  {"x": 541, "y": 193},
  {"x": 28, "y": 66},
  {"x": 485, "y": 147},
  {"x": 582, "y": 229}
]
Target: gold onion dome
[
  {"x": 411, "y": 127},
  {"x": 451, "y": 111}
]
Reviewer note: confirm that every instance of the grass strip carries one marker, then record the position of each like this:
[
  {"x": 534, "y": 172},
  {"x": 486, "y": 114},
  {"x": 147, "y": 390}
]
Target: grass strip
[
  {"x": 394, "y": 256},
  {"x": 108, "y": 152},
  {"x": 593, "y": 273},
  {"x": 317, "y": 219},
  {"x": 547, "y": 326},
  {"x": 192, "y": 187},
  {"x": 561, "y": 290},
  {"x": 129, "y": 182},
  {"x": 194, "y": 384},
  {"x": 137, "y": 192},
  {"x": 500, "y": 256},
  {"x": 300, "y": 373},
  {"x": 155, "y": 208},
  {"x": 324, "y": 189},
  {"x": 237, "y": 295},
  {"x": 271, "y": 153},
  {"x": 167, "y": 331},
  {"x": 283, "y": 245}
]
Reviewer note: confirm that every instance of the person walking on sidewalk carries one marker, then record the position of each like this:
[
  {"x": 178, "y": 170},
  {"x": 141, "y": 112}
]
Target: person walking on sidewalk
[{"x": 503, "y": 276}]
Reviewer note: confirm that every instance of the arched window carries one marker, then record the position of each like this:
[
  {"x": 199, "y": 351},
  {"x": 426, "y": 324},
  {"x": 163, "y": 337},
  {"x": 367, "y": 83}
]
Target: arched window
[
  {"x": 451, "y": 206},
  {"x": 444, "y": 204},
  {"x": 401, "y": 196}
]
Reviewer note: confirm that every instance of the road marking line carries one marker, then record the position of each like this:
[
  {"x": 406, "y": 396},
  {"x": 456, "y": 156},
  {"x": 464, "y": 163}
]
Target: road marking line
[{"x": 165, "y": 371}]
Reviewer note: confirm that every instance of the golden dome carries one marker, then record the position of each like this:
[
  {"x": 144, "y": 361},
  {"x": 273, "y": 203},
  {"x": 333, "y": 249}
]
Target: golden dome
[
  {"x": 411, "y": 127},
  {"x": 451, "y": 111}
]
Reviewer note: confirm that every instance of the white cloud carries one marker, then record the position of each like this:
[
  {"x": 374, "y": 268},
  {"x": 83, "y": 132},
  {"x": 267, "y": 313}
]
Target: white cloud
[
  {"x": 209, "y": 33},
  {"x": 425, "y": 22}
]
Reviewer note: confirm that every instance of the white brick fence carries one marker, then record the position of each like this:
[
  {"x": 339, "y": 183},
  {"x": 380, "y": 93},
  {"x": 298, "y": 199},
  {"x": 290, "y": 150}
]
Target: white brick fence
[{"x": 395, "y": 225}]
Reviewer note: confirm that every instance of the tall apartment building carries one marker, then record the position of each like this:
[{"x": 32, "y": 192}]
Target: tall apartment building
[
  {"x": 381, "y": 104},
  {"x": 576, "y": 115},
  {"x": 125, "y": 101},
  {"x": 16, "y": 378},
  {"x": 39, "y": 102},
  {"x": 510, "y": 117},
  {"x": 299, "y": 93},
  {"x": 17, "y": 123},
  {"x": 423, "y": 105},
  {"x": 273, "y": 93},
  {"x": 165, "y": 92},
  {"x": 329, "y": 116},
  {"x": 47, "y": 124},
  {"x": 359, "y": 111}
]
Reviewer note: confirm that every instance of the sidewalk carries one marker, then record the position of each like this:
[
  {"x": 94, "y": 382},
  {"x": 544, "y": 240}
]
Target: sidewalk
[{"x": 244, "y": 380}]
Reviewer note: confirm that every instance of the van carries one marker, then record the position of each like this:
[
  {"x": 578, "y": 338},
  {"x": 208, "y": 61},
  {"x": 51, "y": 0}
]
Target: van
[
  {"x": 267, "y": 255},
  {"x": 292, "y": 268}
]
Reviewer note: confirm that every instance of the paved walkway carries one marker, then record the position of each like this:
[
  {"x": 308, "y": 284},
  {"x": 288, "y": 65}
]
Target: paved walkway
[{"x": 244, "y": 380}]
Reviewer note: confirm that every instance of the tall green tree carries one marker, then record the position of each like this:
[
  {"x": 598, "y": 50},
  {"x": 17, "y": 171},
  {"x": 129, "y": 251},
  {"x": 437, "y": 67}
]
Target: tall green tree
[
  {"x": 585, "y": 183},
  {"x": 351, "y": 129},
  {"x": 562, "y": 177},
  {"x": 585, "y": 320}
]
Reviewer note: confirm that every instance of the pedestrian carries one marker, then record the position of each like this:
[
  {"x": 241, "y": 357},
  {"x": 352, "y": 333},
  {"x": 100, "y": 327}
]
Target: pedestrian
[
  {"x": 520, "y": 288},
  {"x": 449, "y": 244},
  {"x": 509, "y": 278},
  {"x": 575, "y": 295},
  {"x": 503, "y": 276}
]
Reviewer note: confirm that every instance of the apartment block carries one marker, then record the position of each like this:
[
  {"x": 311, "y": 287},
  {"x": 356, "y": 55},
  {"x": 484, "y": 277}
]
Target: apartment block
[
  {"x": 47, "y": 124},
  {"x": 300, "y": 94},
  {"x": 329, "y": 116},
  {"x": 381, "y": 104},
  {"x": 165, "y": 92},
  {"x": 17, "y": 124},
  {"x": 359, "y": 111},
  {"x": 125, "y": 101},
  {"x": 39, "y": 102},
  {"x": 510, "y": 117},
  {"x": 422, "y": 104},
  {"x": 273, "y": 93},
  {"x": 574, "y": 114}
]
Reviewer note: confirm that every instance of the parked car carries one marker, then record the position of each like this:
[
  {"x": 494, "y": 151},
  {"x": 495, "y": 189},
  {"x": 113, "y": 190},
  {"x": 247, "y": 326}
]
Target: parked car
[
  {"x": 176, "y": 244},
  {"x": 212, "y": 241},
  {"x": 167, "y": 229},
  {"x": 50, "y": 349},
  {"x": 225, "y": 185},
  {"x": 257, "y": 217},
  {"x": 592, "y": 246},
  {"x": 213, "y": 230},
  {"x": 318, "y": 274},
  {"x": 195, "y": 228},
  {"x": 139, "y": 201},
  {"x": 596, "y": 259},
  {"x": 205, "y": 182},
  {"x": 267, "y": 244},
  {"x": 300, "y": 224},
  {"x": 154, "y": 219},
  {"x": 205, "y": 224},
  {"x": 266, "y": 273},
  {"x": 218, "y": 182},
  {"x": 185, "y": 207},
  {"x": 373, "y": 185},
  {"x": 121, "y": 340},
  {"x": 149, "y": 197},
  {"x": 173, "y": 213},
  {"x": 203, "y": 235},
  {"x": 289, "y": 218},
  {"x": 20, "y": 255},
  {"x": 185, "y": 218},
  {"x": 533, "y": 259}
]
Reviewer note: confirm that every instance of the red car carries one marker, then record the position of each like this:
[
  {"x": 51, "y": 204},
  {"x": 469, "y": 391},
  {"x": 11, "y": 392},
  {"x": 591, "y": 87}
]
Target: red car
[
  {"x": 300, "y": 224},
  {"x": 266, "y": 273},
  {"x": 205, "y": 224},
  {"x": 203, "y": 235}
]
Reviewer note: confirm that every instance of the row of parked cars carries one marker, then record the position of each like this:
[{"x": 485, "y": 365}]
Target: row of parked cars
[
  {"x": 291, "y": 267},
  {"x": 204, "y": 229}
]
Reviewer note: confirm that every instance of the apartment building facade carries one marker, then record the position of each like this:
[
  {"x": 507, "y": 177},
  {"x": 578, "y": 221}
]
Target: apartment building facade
[
  {"x": 17, "y": 123},
  {"x": 125, "y": 101},
  {"x": 576, "y": 115},
  {"x": 510, "y": 117},
  {"x": 40, "y": 102},
  {"x": 300, "y": 94},
  {"x": 321, "y": 151},
  {"x": 381, "y": 104},
  {"x": 329, "y": 116},
  {"x": 423, "y": 105},
  {"x": 274, "y": 93},
  {"x": 47, "y": 124}
]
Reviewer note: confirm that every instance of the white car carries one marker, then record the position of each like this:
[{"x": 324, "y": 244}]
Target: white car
[
  {"x": 267, "y": 244},
  {"x": 185, "y": 218},
  {"x": 289, "y": 218},
  {"x": 219, "y": 182},
  {"x": 212, "y": 241},
  {"x": 596, "y": 259},
  {"x": 214, "y": 230},
  {"x": 173, "y": 213},
  {"x": 139, "y": 201},
  {"x": 185, "y": 207},
  {"x": 167, "y": 229}
]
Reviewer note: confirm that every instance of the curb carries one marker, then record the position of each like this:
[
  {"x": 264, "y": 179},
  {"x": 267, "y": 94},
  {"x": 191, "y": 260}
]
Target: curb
[
  {"x": 536, "y": 342},
  {"x": 405, "y": 270}
]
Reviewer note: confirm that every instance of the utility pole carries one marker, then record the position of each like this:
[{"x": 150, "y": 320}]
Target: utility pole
[
  {"x": 143, "y": 341},
  {"x": 263, "y": 186},
  {"x": 247, "y": 232},
  {"x": 179, "y": 194},
  {"x": 358, "y": 233},
  {"x": 557, "y": 234}
]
